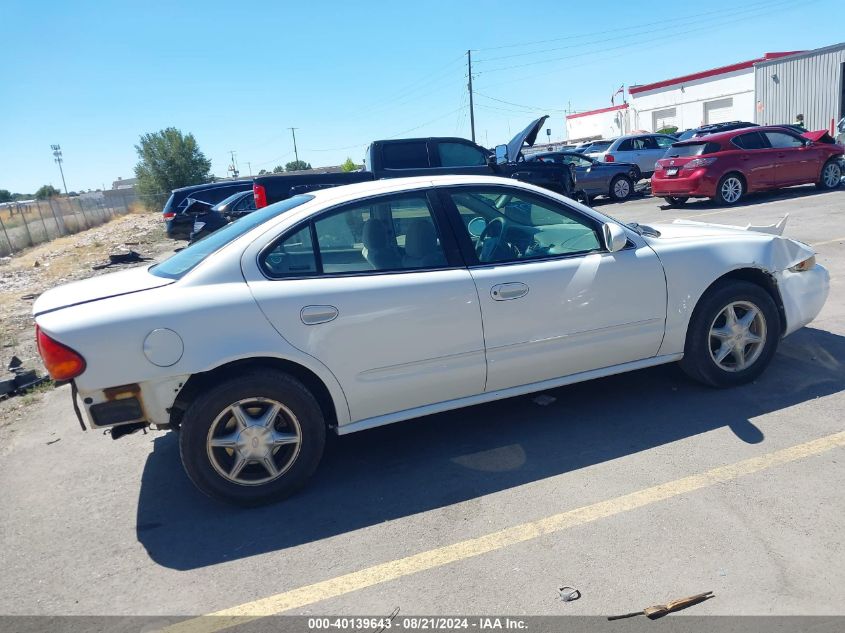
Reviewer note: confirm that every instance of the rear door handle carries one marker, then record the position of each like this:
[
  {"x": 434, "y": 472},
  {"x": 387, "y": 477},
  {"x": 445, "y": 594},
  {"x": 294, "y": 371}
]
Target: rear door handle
[
  {"x": 508, "y": 291},
  {"x": 313, "y": 315}
]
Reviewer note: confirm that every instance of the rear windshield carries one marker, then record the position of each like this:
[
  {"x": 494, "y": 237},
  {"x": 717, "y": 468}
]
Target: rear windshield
[
  {"x": 177, "y": 265},
  {"x": 686, "y": 135},
  {"x": 599, "y": 146},
  {"x": 692, "y": 149}
]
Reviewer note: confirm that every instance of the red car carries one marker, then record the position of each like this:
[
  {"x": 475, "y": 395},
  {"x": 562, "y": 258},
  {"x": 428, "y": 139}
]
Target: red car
[{"x": 728, "y": 165}]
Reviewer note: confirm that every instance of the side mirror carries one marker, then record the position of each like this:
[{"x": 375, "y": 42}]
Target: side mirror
[
  {"x": 501, "y": 152},
  {"x": 615, "y": 237}
]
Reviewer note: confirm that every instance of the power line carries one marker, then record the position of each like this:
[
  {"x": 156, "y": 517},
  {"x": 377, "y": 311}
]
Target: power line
[
  {"x": 662, "y": 22},
  {"x": 675, "y": 34}
]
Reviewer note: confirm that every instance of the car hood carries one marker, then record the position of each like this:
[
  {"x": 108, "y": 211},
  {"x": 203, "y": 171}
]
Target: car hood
[
  {"x": 785, "y": 252},
  {"x": 100, "y": 287},
  {"x": 526, "y": 137}
]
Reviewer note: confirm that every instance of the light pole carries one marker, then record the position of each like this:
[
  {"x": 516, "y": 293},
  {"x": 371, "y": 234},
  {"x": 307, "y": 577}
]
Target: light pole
[{"x": 57, "y": 156}]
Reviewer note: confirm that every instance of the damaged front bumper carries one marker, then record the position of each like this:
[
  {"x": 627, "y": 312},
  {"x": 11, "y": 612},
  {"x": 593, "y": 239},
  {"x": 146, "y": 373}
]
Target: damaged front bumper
[{"x": 803, "y": 295}]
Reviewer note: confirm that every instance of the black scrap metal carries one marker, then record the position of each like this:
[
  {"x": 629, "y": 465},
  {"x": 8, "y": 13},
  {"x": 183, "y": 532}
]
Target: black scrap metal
[{"x": 116, "y": 259}]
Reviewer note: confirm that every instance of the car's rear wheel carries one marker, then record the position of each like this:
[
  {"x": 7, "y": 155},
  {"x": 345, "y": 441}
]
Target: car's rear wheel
[
  {"x": 676, "y": 201},
  {"x": 831, "y": 176},
  {"x": 621, "y": 188},
  {"x": 730, "y": 189},
  {"x": 733, "y": 334},
  {"x": 252, "y": 439}
]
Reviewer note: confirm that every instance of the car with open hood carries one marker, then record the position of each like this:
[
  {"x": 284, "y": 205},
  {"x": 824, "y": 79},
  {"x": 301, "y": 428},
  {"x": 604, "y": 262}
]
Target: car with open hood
[
  {"x": 431, "y": 156},
  {"x": 378, "y": 302}
]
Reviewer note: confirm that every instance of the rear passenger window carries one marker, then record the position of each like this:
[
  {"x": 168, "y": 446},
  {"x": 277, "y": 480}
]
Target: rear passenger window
[
  {"x": 752, "y": 140},
  {"x": 404, "y": 155},
  {"x": 293, "y": 256}
]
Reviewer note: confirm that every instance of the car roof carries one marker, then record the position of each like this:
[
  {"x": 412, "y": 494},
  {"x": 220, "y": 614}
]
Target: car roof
[{"x": 213, "y": 185}]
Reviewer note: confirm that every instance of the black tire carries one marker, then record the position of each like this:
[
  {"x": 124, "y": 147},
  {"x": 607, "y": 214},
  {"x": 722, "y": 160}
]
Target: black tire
[
  {"x": 635, "y": 174},
  {"x": 203, "y": 413},
  {"x": 676, "y": 201},
  {"x": 699, "y": 361},
  {"x": 830, "y": 181},
  {"x": 582, "y": 197},
  {"x": 625, "y": 186},
  {"x": 738, "y": 184}
]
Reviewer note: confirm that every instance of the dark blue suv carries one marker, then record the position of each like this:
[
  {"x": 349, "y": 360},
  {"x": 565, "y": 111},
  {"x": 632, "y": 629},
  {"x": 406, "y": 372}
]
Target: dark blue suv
[{"x": 180, "y": 224}]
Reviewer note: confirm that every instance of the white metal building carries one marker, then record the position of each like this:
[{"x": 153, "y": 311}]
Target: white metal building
[
  {"x": 810, "y": 83},
  {"x": 710, "y": 96},
  {"x": 601, "y": 123}
]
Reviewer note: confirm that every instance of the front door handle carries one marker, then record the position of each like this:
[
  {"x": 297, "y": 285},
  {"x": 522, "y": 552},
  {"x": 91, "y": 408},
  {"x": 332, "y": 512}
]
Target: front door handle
[
  {"x": 508, "y": 291},
  {"x": 312, "y": 315}
]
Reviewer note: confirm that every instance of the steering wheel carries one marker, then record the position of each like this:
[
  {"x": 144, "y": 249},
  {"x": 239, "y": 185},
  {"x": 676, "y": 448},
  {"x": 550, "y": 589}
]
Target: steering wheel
[{"x": 491, "y": 238}]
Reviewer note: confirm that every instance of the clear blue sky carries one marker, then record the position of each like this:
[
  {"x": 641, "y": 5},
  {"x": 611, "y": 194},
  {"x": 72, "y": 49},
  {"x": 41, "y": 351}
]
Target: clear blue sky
[{"x": 94, "y": 76}]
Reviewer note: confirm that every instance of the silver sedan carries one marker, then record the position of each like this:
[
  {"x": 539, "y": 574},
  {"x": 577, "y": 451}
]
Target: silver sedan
[{"x": 595, "y": 178}]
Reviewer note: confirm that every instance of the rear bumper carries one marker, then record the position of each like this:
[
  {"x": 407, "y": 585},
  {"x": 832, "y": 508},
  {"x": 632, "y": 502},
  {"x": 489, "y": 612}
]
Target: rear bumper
[
  {"x": 803, "y": 295},
  {"x": 147, "y": 402},
  {"x": 698, "y": 184}
]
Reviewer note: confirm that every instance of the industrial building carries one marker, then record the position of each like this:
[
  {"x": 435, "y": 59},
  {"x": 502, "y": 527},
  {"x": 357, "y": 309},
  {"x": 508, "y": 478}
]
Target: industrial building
[
  {"x": 770, "y": 89},
  {"x": 811, "y": 83}
]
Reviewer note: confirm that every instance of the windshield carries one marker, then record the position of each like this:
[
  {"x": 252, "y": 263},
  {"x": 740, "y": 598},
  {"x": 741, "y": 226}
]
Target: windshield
[
  {"x": 177, "y": 265},
  {"x": 686, "y": 135}
]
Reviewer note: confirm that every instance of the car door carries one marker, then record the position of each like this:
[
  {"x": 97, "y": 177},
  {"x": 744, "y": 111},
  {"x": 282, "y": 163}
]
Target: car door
[
  {"x": 756, "y": 159},
  {"x": 456, "y": 157},
  {"x": 373, "y": 291},
  {"x": 554, "y": 301},
  {"x": 588, "y": 174},
  {"x": 797, "y": 160}
]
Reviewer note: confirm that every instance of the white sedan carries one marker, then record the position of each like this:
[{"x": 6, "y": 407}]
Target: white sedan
[{"x": 358, "y": 306}]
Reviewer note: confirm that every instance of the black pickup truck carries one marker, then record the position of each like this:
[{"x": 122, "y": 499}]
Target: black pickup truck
[{"x": 427, "y": 157}]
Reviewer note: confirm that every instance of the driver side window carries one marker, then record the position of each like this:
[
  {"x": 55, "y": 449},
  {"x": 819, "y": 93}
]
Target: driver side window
[{"x": 510, "y": 226}]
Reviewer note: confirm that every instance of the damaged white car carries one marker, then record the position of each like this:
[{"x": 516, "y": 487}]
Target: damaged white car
[{"x": 363, "y": 305}]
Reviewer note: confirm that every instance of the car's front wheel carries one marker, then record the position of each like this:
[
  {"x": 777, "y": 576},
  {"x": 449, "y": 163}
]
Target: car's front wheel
[
  {"x": 621, "y": 188},
  {"x": 831, "y": 176},
  {"x": 730, "y": 190},
  {"x": 253, "y": 439},
  {"x": 733, "y": 334}
]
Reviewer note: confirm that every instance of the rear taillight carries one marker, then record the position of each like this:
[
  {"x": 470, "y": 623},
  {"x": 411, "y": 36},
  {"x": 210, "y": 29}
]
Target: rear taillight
[
  {"x": 608, "y": 158},
  {"x": 260, "y": 196},
  {"x": 62, "y": 362},
  {"x": 169, "y": 215},
  {"x": 695, "y": 163}
]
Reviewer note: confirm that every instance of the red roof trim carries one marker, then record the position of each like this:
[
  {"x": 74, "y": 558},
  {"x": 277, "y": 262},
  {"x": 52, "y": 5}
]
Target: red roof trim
[
  {"x": 577, "y": 115},
  {"x": 713, "y": 72}
]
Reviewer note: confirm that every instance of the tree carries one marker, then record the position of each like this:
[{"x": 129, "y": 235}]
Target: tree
[
  {"x": 6, "y": 195},
  {"x": 297, "y": 165},
  {"x": 669, "y": 129},
  {"x": 46, "y": 191},
  {"x": 169, "y": 160},
  {"x": 349, "y": 165},
  {"x": 263, "y": 172},
  {"x": 278, "y": 169}
]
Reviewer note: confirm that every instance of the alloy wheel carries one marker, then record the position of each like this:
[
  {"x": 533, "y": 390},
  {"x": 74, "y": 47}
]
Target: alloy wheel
[
  {"x": 832, "y": 175},
  {"x": 737, "y": 336},
  {"x": 254, "y": 441},
  {"x": 731, "y": 189}
]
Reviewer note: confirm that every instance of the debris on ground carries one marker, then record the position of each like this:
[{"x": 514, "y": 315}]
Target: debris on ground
[
  {"x": 544, "y": 399},
  {"x": 569, "y": 594},
  {"x": 22, "y": 379},
  {"x": 123, "y": 257},
  {"x": 659, "y": 610}
]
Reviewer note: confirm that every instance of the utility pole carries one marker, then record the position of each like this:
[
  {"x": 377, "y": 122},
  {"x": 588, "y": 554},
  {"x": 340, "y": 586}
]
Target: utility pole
[
  {"x": 293, "y": 133},
  {"x": 233, "y": 167},
  {"x": 57, "y": 156},
  {"x": 471, "y": 109},
  {"x": 249, "y": 166}
]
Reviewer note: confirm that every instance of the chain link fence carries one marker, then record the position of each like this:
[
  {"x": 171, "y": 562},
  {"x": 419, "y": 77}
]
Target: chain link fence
[{"x": 27, "y": 223}]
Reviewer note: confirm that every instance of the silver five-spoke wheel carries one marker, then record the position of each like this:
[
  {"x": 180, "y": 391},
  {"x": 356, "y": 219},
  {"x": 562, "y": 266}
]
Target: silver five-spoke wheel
[
  {"x": 254, "y": 441},
  {"x": 621, "y": 189},
  {"x": 731, "y": 189},
  {"x": 737, "y": 336},
  {"x": 832, "y": 175}
]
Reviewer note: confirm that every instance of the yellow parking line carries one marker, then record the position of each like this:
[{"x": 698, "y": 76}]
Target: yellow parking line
[
  {"x": 838, "y": 239},
  {"x": 431, "y": 559}
]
